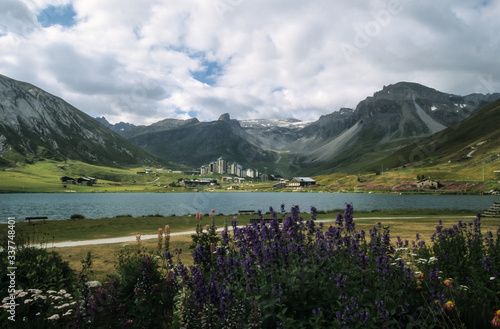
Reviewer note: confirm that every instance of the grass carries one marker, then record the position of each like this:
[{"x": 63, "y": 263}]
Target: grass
[
  {"x": 403, "y": 223},
  {"x": 105, "y": 257},
  {"x": 44, "y": 177}
]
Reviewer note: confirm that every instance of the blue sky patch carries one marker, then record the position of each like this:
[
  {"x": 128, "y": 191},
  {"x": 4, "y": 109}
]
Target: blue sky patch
[
  {"x": 61, "y": 15},
  {"x": 209, "y": 73}
]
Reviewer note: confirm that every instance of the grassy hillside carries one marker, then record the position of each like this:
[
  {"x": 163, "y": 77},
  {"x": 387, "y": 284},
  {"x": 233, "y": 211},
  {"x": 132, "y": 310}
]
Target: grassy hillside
[
  {"x": 44, "y": 176},
  {"x": 469, "y": 145}
]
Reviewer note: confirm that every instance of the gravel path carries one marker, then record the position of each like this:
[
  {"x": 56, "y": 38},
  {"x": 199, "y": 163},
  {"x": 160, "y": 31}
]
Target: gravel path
[{"x": 132, "y": 238}]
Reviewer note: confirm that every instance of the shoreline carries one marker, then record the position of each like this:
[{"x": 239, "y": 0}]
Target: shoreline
[{"x": 253, "y": 191}]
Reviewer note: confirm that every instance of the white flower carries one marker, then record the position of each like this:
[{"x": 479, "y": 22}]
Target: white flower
[
  {"x": 492, "y": 278},
  {"x": 54, "y": 317},
  {"x": 62, "y": 292},
  {"x": 432, "y": 259},
  {"x": 28, "y": 301}
]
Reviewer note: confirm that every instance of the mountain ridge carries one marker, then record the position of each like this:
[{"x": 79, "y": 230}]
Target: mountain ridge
[
  {"x": 393, "y": 117},
  {"x": 35, "y": 124}
]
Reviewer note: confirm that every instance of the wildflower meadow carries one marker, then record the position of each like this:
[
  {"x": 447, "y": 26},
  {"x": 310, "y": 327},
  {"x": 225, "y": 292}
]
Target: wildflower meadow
[{"x": 280, "y": 271}]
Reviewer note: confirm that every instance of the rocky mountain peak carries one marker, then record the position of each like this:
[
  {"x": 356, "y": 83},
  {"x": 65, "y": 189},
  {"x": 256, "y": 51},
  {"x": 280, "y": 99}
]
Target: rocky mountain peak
[{"x": 225, "y": 117}]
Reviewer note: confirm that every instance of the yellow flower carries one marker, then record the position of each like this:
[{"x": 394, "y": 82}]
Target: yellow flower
[
  {"x": 448, "y": 283},
  {"x": 449, "y": 306}
]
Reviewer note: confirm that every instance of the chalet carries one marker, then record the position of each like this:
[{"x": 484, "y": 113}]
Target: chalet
[
  {"x": 427, "y": 183},
  {"x": 67, "y": 180},
  {"x": 275, "y": 178},
  {"x": 301, "y": 182},
  {"x": 86, "y": 181},
  {"x": 199, "y": 182}
]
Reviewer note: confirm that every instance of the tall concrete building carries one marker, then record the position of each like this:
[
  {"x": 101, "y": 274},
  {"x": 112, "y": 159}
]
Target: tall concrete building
[{"x": 221, "y": 166}]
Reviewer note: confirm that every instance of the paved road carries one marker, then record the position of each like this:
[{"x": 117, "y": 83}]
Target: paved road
[{"x": 132, "y": 238}]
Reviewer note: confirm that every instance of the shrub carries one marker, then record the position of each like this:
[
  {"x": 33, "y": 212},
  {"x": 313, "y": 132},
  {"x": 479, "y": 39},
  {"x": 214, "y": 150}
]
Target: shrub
[
  {"x": 77, "y": 216},
  {"x": 37, "y": 268},
  {"x": 141, "y": 295},
  {"x": 300, "y": 276},
  {"x": 462, "y": 266}
]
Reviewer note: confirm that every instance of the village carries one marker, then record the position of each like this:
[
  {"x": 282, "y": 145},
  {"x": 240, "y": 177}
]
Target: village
[
  {"x": 225, "y": 175},
  {"x": 239, "y": 175}
]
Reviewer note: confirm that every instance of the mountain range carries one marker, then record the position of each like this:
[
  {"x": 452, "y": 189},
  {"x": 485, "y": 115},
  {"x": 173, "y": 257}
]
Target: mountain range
[
  {"x": 345, "y": 140},
  {"x": 35, "y": 124}
]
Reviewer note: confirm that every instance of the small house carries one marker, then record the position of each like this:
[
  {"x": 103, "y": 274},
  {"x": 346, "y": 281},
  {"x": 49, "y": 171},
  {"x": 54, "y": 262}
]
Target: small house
[
  {"x": 67, "y": 180},
  {"x": 86, "y": 181},
  {"x": 199, "y": 182},
  {"x": 301, "y": 182},
  {"x": 275, "y": 178},
  {"x": 428, "y": 183}
]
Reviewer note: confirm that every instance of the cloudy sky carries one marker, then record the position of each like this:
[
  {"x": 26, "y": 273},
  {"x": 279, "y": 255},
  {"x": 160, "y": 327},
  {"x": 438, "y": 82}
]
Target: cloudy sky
[{"x": 141, "y": 61}]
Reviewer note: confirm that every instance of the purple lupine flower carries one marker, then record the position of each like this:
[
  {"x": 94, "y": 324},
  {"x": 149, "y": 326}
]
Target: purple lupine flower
[
  {"x": 314, "y": 213},
  {"x": 339, "y": 220},
  {"x": 488, "y": 264},
  {"x": 348, "y": 217},
  {"x": 273, "y": 213}
]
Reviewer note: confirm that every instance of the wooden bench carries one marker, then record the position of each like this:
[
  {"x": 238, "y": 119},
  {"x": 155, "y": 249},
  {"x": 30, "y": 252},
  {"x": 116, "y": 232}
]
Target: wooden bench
[{"x": 29, "y": 219}]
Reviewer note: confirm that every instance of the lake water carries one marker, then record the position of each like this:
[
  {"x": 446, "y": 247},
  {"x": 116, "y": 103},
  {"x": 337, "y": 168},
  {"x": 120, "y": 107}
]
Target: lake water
[{"x": 98, "y": 205}]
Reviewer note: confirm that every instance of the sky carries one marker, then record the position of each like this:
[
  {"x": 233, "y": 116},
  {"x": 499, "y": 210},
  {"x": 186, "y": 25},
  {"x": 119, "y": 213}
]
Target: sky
[{"x": 141, "y": 61}]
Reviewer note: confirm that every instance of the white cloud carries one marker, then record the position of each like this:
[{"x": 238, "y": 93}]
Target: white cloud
[{"x": 133, "y": 61}]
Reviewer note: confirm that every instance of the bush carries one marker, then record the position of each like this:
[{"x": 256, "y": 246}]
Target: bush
[
  {"x": 77, "y": 216},
  {"x": 462, "y": 267},
  {"x": 300, "y": 276},
  {"x": 37, "y": 268},
  {"x": 141, "y": 295}
]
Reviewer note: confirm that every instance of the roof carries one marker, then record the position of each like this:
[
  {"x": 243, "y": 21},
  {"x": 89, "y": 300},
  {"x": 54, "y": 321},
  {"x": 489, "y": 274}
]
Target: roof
[{"x": 304, "y": 179}]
